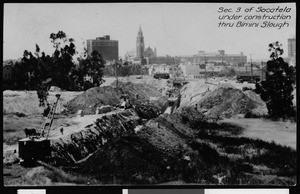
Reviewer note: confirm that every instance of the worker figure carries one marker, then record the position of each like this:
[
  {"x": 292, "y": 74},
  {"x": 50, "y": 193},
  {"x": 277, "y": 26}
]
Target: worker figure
[
  {"x": 61, "y": 129},
  {"x": 123, "y": 102},
  {"x": 196, "y": 107},
  {"x": 97, "y": 110}
]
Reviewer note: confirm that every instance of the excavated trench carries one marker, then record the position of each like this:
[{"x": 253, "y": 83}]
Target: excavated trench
[
  {"x": 143, "y": 146},
  {"x": 78, "y": 146}
]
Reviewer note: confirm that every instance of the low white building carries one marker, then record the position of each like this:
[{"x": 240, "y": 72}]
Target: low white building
[
  {"x": 172, "y": 70},
  {"x": 192, "y": 70},
  {"x": 195, "y": 70}
]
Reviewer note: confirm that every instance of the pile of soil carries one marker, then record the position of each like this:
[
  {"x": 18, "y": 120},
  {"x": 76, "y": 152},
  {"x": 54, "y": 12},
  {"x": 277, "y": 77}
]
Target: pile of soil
[
  {"x": 147, "y": 92},
  {"x": 129, "y": 160},
  {"x": 110, "y": 95},
  {"x": 194, "y": 91},
  {"x": 165, "y": 149},
  {"x": 160, "y": 84},
  {"x": 154, "y": 155},
  {"x": 80, "y": 144},
  {"x": 261, "y": 109},
  {"x": 226, "y": 101},
  {"x": 94, "y": 97}
]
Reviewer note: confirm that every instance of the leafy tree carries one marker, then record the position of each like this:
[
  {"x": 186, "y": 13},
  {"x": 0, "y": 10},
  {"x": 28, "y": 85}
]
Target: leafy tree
[
  {"x": 36, "y": 69},
  {"x": 144, "y": 61},
  {"x": 32, "y": 71},
  {"x": 277, "y": 89},
  {"x": 21, "y": 74},
  {"x": 31, "y": 68},
  {"x": 91, "y": 71},
  {"x": 62, "y": 59}
]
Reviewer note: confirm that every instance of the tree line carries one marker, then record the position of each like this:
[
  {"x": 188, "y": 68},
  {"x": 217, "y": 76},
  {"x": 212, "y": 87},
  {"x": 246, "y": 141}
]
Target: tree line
[
  {"x": 123, "y": 70},
  {"x": 60, "y": 69}
]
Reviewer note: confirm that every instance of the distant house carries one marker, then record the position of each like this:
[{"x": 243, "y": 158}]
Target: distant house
[{"x": 8, "y": 72}]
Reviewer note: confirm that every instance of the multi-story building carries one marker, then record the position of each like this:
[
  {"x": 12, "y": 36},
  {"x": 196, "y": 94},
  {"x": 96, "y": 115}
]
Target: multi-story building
[
  {"x": 217, "y": 57},
  {"x": 109, "y": 49},
  {"x": 291, "y": 47}
]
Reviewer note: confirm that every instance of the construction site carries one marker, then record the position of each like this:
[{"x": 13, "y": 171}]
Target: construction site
[{"x": 146, "y": 131}]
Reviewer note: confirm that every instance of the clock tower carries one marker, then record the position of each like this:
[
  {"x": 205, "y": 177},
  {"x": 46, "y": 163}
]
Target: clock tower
[{"x": 140, "y": 46}]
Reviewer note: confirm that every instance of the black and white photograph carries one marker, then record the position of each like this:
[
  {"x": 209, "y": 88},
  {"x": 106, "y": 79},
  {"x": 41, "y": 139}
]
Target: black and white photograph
[{"x": 149, "y": 94}]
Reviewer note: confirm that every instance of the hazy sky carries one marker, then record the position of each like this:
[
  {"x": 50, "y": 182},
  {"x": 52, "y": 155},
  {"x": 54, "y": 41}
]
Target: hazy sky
[{"x": 174, "y": 29}]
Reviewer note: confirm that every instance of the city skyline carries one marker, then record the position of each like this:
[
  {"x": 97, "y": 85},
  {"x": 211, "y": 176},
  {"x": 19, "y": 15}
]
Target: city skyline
[{"x": 174, "y": 29}]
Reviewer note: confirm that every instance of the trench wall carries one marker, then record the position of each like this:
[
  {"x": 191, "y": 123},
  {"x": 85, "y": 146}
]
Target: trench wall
[{"x": 80, "y": 145}]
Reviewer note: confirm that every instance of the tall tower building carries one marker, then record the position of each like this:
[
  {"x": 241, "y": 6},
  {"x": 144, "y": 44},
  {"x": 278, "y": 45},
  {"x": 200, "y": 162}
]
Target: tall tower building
[
  {"x": 140, "y": 46},
  {"x": 291, "y": 47}
]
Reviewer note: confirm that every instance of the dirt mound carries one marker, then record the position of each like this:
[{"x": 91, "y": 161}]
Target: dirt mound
[
  {"x": 146, "y": 92},
  {"x": 38, "y": 176},
  {"x": 78, "y": 145},
  {"x": 179, "y": 146},
  {"x": 226, "y": 101},
  {"x": 10, "y": 157},
  {"x": 110, "y": 95},
  {"x": 167, "y": 133},
  {"x": 261, "y": 109},
  {"x": 251, "y": 94},
  {"x": 221, "y": 101},
  {"x": 153, "y": 155},
  {"x": 130, "y": 160},
  {"x": 160, "y": 84},
  {"x": 194, "y": 91},
  {"x": 92, "y": 98}
]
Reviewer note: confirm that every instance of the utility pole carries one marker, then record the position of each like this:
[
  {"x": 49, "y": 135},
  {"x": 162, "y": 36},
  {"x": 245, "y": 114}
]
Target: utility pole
[
  {"x": 262, "y": 74},
  {"x": 116, "y": 74},
  {"x": 141, "y": 70},
  {"x": 205, "y": 67},
  {"x": 251, "y": 68}
]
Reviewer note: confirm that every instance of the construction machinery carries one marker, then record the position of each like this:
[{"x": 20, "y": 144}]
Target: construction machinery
[
  {"x": 50, "y": 117},
  {"x": 36, "y": 146}
]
